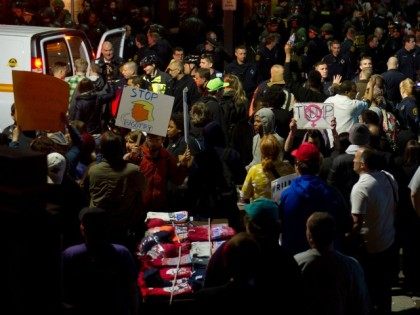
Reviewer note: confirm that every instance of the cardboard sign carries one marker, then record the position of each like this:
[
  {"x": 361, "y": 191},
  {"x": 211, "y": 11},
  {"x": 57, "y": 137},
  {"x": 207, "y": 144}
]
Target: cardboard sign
[
  {"x": 144, "y": 110},
  {"x": 280, "y": 184},
  {"x": 229, "y": 5},
  {"x": 313, "y": 115},
  {"x": 40, "y": 101}
]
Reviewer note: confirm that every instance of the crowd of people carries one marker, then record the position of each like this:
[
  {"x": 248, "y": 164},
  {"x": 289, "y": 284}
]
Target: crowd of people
[{"x": 342, "y": 222}]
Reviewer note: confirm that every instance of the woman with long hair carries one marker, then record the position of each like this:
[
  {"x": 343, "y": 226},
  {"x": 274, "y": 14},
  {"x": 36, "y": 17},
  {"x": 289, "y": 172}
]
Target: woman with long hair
[
  {"x": 258, "y": 180},
  {"x": 235, "y": 106}
]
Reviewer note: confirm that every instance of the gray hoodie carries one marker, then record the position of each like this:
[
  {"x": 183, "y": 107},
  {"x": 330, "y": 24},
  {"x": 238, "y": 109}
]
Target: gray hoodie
[{"x": 268, "y": 122}]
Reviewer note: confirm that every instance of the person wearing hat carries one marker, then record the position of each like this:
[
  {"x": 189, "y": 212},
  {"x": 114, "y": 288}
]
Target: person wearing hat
[
  {"x": 298, "y": 34},
  {"x": 262, "y": 223},
  {"x": 315, "y": 49},
  {"x": 191, "y": 64},
  {"x": 56, "y": 167},
  {"x": 216, "y": 84},
  {"x": 350, "y": 47},
  {"x": 212, "y": 90},
  {"x": 235, "y": 104},
  {"x": 212, "y": 47},
  {"x": 394, "y": 41},
  {"x": 97, "y": 275},
  {"x": 268, "y": 55},
  {"x": 159, "y": 80},
  {"x": 306, "y": 194}
]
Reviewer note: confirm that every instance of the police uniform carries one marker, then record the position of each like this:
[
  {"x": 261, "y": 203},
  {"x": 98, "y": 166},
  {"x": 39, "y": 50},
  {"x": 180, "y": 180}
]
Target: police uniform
[
  {"x": 247, "y": 74},
  {"x": 408, "y": 114},
  {"x": 338, "y": 65},
  {"x": 160, "y": 82}
]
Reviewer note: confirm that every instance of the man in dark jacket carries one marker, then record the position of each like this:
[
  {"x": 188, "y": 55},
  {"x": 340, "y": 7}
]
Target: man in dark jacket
[
  {"x": 180, "y": 81},
  {"x": 245, "y": 71},
  {"x": 409, "y": 58},
  {"x": 109, "y": 63},
  {"x": 392, "y": 79}
]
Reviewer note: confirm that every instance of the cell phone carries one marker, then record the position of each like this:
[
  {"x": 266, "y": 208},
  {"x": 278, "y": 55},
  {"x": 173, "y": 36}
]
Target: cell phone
[{"x": 291, "y": 40}]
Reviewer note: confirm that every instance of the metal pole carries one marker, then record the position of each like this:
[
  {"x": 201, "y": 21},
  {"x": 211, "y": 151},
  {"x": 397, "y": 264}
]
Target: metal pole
[{"x": 72, "y": 10}]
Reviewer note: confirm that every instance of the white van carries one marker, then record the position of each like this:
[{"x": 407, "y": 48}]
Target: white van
[{"x": 33, "y": 48}]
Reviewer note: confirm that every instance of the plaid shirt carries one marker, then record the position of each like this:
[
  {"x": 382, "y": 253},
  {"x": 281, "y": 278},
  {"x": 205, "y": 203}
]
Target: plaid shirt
[{"x": 73, "y": 81}]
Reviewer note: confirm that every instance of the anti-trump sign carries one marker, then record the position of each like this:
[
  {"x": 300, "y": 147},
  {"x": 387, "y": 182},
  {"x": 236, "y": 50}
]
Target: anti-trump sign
[
  {"x": 144, "y": 110},
  {"x": 313, "y": 115}
]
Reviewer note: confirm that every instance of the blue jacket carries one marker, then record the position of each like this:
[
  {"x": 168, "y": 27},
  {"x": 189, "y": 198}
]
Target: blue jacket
[{"x": 305, "y": 195}]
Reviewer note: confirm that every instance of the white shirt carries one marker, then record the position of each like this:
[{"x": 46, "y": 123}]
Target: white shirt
[
  {"x": 414, "y": 184},
  {"x": 346, "y": 111},
  {"x": 373, "y": 198}
]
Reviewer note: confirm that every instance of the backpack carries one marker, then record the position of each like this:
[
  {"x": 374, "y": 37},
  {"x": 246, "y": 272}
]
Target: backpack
[{"x": 391, "y": 128}]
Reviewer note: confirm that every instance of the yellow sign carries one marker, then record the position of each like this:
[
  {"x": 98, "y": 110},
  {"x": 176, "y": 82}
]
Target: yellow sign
[{"x": 12, "y": 62}]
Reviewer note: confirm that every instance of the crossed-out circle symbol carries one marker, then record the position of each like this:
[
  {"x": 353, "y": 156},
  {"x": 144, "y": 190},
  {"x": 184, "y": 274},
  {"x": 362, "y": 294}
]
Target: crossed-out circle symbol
[{"x": 313, "y": 113}]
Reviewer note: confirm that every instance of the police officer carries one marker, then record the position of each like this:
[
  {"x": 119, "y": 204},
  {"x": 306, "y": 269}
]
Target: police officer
[
  {"x": 159, "y": 80},
  {"x": 191, "y": 64},
  {"x": 244, "y": 70},
  {"x": 407, "y": 108},
  {"x": 338, "y": 64}
]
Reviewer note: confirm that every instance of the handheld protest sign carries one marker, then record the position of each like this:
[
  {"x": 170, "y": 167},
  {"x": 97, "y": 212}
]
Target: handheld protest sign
[
  {"x": 186, "y": 116},
  {"x": 40, "y": 101},
  {"x": 313, "y": 115},
  {"x": 144, "y": 110},
  {"x": 280, "y": 184}
]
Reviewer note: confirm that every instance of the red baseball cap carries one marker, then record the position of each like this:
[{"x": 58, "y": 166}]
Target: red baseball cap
[{"x": 306, "y": 152}]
